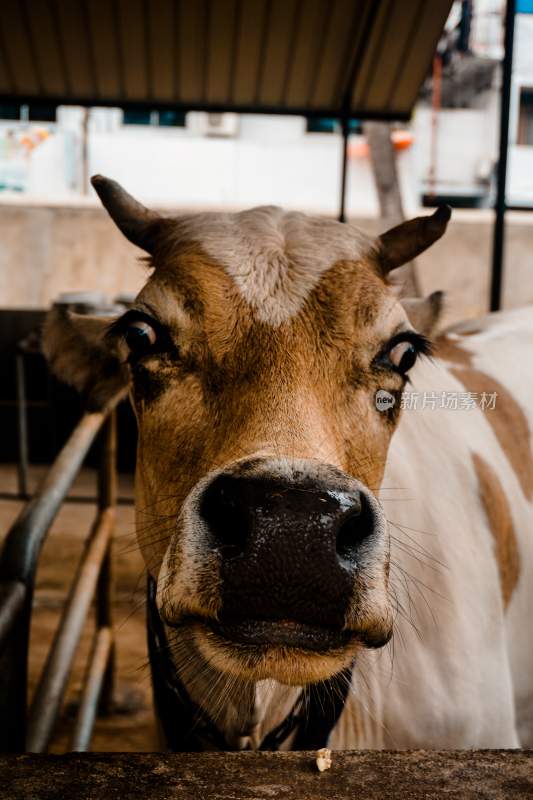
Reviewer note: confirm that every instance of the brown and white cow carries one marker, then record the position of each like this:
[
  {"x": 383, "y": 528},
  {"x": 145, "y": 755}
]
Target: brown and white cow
[{"x": 295, "y": 528}]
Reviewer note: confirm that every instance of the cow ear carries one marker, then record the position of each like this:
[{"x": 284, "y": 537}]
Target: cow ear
[
  {"x": 424, "y": 313},
  {"x": 79, "y": 354},
  {"x": 406, "y": 241}
]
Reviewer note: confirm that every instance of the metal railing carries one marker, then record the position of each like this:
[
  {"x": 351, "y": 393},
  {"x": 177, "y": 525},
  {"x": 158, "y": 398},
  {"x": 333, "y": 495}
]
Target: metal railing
[{"x": 32, "y": 730}]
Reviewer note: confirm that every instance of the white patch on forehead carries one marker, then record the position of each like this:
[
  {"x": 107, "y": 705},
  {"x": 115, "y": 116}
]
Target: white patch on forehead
[{"x": 275, "y": 257}]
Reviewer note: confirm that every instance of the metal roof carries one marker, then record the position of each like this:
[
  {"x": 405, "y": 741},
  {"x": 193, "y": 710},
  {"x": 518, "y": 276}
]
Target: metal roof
[{"x": 358, "y": 58}]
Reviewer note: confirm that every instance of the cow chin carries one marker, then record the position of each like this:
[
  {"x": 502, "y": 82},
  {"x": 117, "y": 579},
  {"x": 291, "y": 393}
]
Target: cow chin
[
  {"x": 284, "y": 651},
  {"x": 291, "y": 664}
]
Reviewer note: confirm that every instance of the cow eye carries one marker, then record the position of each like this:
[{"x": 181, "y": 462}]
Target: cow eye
[
  {"x": 403, "y": 356},
  {"x": 139, "y": 336}
]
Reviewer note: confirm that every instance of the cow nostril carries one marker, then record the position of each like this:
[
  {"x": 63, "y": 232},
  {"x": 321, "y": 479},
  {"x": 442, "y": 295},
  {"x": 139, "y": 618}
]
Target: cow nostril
[
  {"x": 353, "y": 530},
  {"x": 228, "y": 524}
]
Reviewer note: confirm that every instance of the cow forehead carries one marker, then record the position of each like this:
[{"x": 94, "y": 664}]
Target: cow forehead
[{"x": 274, "y": 257}]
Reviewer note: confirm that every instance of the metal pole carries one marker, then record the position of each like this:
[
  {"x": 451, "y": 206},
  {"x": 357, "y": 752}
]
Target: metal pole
[
  {"x": 12, "y": 596},
  {"x": 107, "y": 498},
  {"x": 500, "y": 207},
  {"x": 53, "y": 681},
  {"x": 92, "y": 687},
  {"x": 85, "y": 152},
  {"x": 345, "y": 133},
  {"x": 27, "y": 534},
  {"x": 14, "y": 677},
  {"x": 22, "y": 420},
  {"x": 15, "y": 610}
]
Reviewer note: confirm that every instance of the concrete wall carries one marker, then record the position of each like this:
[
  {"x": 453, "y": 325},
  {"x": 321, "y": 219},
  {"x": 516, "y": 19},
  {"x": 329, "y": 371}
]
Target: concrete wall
[{"x": 47, "y": 249}]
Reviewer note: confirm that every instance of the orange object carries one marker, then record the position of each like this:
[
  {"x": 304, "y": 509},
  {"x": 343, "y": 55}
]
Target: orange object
[
  {"x": 358, "y": 149},
  {"x": 401, "y": 140}
]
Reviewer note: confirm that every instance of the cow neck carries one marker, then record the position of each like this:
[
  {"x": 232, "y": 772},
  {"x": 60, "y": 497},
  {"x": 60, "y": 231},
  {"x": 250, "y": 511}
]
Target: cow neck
[{"x": 187, "y": 727}]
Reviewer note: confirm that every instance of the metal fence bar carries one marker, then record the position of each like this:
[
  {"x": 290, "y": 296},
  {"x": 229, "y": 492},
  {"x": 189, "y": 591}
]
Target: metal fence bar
[
  {"x": 22, "y": 425},
  {"x": 12, "y": 596},
  {"x": 498, "y": 242},
  {"x": 51, "y": 688},
  {"x": 27, "y": 534},
  {"x": 107, "y": 476},
  {"x": 18, "y": 564},
  {"x": 14, "y": 680},
  {"x": 74, "y": 499},
  {"x": 93, "y": 685},
  {"x": 107, "y": 498},
  {"x": 345, "y": 128}
]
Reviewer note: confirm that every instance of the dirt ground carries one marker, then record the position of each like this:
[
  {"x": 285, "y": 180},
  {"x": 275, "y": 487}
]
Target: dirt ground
[{"x": 131, "y": 725}]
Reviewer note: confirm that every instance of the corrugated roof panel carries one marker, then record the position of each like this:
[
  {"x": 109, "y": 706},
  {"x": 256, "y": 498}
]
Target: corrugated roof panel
[
  {"x": 220, "y": 47},
  {"x": 398, "y": 31},
  {"x": 162, "y": 49},
  {"x": 192, "y": 54},
  {"x": 256, "y": 55},
  {"x": 132, "y": 30},
  {"x": 371, "y": 55},
  {"x": 18, "y": 50},
  {"x": 279, "y": 41},
  {"x": 362, "y": 23},
  {"x": 74, "y": 35},
  {"x": 415, "y": 68},
  {"x": 249, "y": 47},
  {"x": 307, "y": 44},
  {"x": 105, "y": 45},
  {"x": 6, "y": 83},
  {"x": 47, "y": 48},
  {"x": 338, "y": 45}
]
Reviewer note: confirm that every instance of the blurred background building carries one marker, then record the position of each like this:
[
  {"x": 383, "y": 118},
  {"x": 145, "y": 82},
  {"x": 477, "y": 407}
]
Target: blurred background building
[{"x": 227, "y": 160}]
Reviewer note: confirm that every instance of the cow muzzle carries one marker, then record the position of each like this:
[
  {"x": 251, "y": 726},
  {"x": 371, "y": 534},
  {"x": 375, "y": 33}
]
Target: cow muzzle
[{"x": 301, "y": 552}]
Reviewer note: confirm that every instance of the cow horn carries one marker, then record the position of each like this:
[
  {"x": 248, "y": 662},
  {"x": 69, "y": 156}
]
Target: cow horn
[
  {"x": 137, "y": 223},
  {"x": 407, "y": 240}
]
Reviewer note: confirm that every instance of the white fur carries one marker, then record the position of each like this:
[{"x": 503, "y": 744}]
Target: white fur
[{"x": 275, "y": 257}]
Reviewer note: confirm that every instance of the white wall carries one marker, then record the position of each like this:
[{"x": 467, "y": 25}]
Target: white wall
[
  {"x": 272, "y": 161},
  {"x": 466, "y": 140}
]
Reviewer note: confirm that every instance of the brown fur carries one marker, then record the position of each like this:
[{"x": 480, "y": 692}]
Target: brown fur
[
  {"x": 319, "y": 407},
  {"x": 508, "y": 422},
  {"x": 500, "y": 521},
  {"x": 451, "y": 350},
  {"x": 75, "y": 348},
  {"x": 302, "y": 390}
]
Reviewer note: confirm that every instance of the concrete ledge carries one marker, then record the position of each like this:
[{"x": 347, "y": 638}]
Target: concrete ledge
[{"x": 365, "y": 775}]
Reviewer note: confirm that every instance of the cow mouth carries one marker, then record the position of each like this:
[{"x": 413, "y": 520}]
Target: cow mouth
[{"x": 281, "y": 633}]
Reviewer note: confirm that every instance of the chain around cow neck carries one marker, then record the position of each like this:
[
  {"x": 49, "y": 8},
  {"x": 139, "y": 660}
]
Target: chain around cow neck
[{"x": 187, "y": 726}]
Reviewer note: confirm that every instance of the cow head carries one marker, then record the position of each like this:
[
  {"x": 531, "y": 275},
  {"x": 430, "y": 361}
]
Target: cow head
[{"x": 253, "y": 357}]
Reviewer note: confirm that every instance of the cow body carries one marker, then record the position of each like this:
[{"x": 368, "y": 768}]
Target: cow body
[
  {"x": 459, "y": 674},
  {"x": 290, "y": 524}
]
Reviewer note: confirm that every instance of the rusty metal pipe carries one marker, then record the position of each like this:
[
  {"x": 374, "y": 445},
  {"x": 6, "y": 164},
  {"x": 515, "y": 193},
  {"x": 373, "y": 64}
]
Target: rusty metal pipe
[
  {"x": 28, "y": 532},
  {"x": 18, "y": 562},
  {"x": 52, "y": 684},
  {"x": 107, "y": 496},
  {"x": 12, "y": 595},
  {"x": 92, "y": 689},
  {"x": 22, "y": 424}
]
